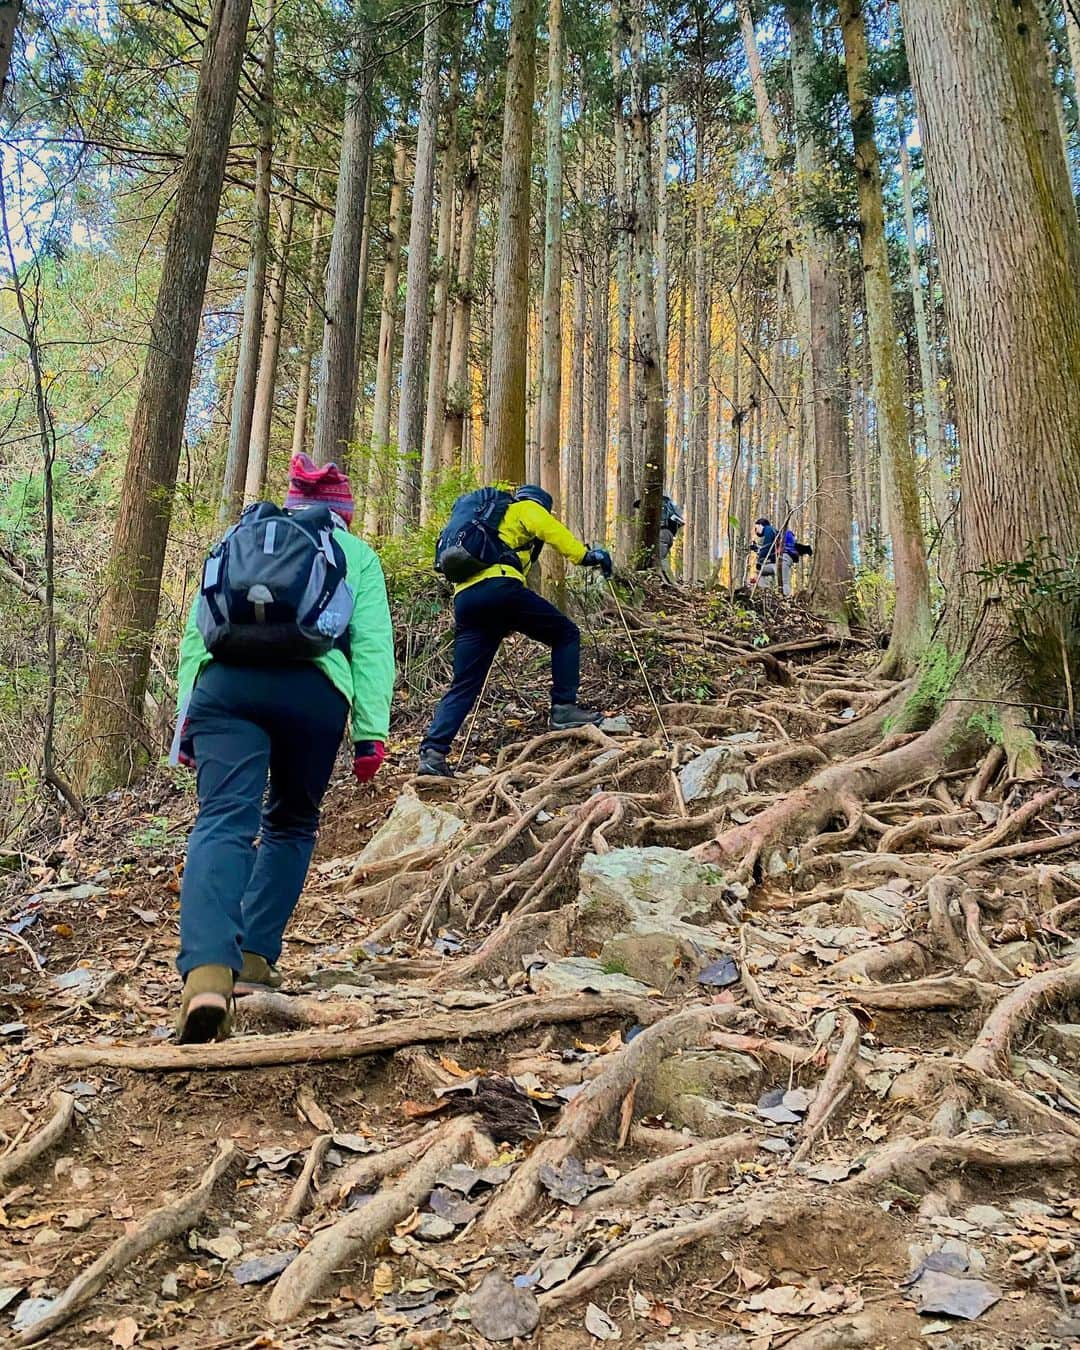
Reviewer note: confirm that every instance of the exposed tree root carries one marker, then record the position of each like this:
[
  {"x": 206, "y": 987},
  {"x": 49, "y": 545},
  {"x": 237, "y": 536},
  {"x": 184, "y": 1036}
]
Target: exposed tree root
[
  {"x": 39, "y": 1143},
  {"x": 902, "y": 955},
  {"x": 300, "y": 1195},
  {"x": 322, "y": 1046},
  {"x": 162, "y": 1225},
  {"x": 832, "y": 1086},
  {"x": 1016, "y": 1010},
  {"x": 645, "y": 1253},
  {"x": 337, "y": 1246},
  {"x": 936, "y": 991},
  {"x": 668, "y": 1172},
  {"x": 368, "y": 1171},
  {"x": 913, "y": 1162},
  {"x": 980, "y": 951},
  {"x": 293, "y": 1010},
  {"x": 590, "y": 1108}
]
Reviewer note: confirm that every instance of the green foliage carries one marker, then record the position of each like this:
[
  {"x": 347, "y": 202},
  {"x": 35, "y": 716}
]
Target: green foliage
[
  {"x": 937, "y": 675},
  {"x": 988, "y": 723}
]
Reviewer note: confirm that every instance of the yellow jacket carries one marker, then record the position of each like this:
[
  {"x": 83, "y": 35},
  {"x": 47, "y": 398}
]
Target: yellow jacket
[{"x": 523, "y": 524}]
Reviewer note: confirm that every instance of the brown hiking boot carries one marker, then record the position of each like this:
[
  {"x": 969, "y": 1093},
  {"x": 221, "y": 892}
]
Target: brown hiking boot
[
  {"x": 206, "y": 1006},
  {"x": 256, "y": 976}
]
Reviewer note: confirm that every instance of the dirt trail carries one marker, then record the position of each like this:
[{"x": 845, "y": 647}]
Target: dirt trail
[{"x": 544, "y": 1070}]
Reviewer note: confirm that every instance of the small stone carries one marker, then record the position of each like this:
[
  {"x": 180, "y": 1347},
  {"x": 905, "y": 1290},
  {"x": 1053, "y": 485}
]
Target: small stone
[
  {"x": 987, "y": 1217},
  {"x": 979, "y": 1120},
  {"x": 582, "y": 974},
  {"x": 225, "y": 1247},
  {"x": 616, "y": 726},
  {"x": 81, "y": 1178},
  {"x": 1063, "y": 1040},
  {"x": 170, "y": 1287},
  {"x": 45, "y": 1237},
  {"x": 434, "y": 1229}
]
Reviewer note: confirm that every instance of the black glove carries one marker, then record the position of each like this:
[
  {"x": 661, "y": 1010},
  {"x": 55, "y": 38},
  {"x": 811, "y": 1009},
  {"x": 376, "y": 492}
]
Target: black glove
[{"x": 599, "y": 557}]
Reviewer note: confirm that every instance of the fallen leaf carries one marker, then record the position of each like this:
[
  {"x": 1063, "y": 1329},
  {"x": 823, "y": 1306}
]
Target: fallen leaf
[
  {"x": 417, "y": 1110},
  {"x": 569, "y": 1182},
  {"x": 452, "y": 1066},
  {"x": 125, "y": 1333},
  {"x": 312, "y": 1112},
  {"x": 661, "y": 1314},
  {"x": 259, "y": 1269},
  {"x": 751, "y": 1279},
  {"x": 600, "y": 1325},
  {"x": 937, "y": 1292},
  {"x": 225, "y": 1247},
  {"x": 719, "y": 974}
]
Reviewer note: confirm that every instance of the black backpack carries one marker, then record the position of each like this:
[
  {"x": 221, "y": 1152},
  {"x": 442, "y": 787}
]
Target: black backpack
[
  {"x": 274, "y": 588},
  {"x": 470, "y": 539}
]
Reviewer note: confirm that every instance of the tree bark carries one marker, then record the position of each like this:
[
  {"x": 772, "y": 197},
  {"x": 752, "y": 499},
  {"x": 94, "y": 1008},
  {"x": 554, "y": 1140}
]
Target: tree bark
[
  {"x": 121, "y": 659},
  {"x": 505, "y": 445},
  {"x": 551, "y": 340},
  {"x": 381, "y": 481},
  {"x": 458, "y": 393},
  {"x": 911, "y": 618},
  {"x": 437, "y": 363},
  {"x": 337, "y": 372},
  {"x": 624, "y": 449},
  {"x": 251, "y": 327},
  {"x": 307, "y": 348},
  {"x": 832, "y": 581},
  {"x": 647, "y": 344},
  {"x": 575, "y": 431},
  {"x": 596, "y": 448},
  {"x": 1002, "y": 210},
  {"x": 266, "y": 386},
  {"x": 417, "y": 284},
  {"x": 697, "y": 477},
  {"x": 10, "y": 13}
]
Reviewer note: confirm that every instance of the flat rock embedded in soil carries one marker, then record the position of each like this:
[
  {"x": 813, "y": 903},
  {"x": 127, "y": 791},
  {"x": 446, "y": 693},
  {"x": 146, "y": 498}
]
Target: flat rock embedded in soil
[
  {"x": 582, "y": 974},
  {"x": 717, "y": 774},
  {"x": 412, "y": 827},
  {"x": 663, "y": 961}
]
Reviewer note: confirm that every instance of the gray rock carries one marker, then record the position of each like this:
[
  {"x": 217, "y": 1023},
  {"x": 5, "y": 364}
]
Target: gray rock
[
  {"x": 616, "y": 726},
  {"x": 707, "y": 1118},
  {"x": 882, "y": 907},
  {"x": 1063, "y": 1040},
  {"x": 662, "y": 960},
  {"x": 715, "y": 773},
  {"x": 651, "y": 890},
  {"x": 1015, "y": 953},
  {"x": 979, "y": 1120},
  {"x": 333, "y": 977},
  {"x": 580, "y": 974},
  {"x": 987, "y": 1217},
  {"x": 718, "y": 1075},
  {"x": 411, "y": 827}
]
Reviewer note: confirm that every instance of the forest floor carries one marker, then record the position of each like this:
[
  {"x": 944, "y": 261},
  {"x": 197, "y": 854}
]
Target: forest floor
[{"x": 541, "y": 1071}]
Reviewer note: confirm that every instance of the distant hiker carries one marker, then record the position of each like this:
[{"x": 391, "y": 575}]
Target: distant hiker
[
  {"x": 487, "y": 548},
  {"x": 773, "y": 547},
  {"x": 671, "y": 522},
  {"x": 289, "y": 634}
]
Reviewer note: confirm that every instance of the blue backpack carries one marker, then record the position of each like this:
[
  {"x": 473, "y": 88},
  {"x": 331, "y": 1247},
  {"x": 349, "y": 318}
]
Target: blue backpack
[
  {"x": 470, "y": 541},
  {"x": 274, "y": 588}
]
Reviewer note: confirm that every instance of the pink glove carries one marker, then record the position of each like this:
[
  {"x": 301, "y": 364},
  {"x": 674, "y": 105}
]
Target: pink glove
[
  {"x": 367, "y": 756},
  {"x": 186, "y": 752}
]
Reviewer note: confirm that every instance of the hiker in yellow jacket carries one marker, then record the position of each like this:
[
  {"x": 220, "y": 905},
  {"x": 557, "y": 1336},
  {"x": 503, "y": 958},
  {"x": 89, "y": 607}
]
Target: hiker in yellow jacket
[{"x": 494, "y": 602}]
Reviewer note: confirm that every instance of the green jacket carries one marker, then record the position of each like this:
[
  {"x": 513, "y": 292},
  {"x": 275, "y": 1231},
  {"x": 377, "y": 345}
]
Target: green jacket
[{"x": 365, "y": 677}]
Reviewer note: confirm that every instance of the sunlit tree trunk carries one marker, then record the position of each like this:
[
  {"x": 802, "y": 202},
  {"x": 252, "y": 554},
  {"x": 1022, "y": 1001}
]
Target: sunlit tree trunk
[
  {"x": 458, "y": 393},
  {"x": 10, "y": 13},
  {"x": 307, "y": 344},
  {"x": 337, "y": 370},
  {"x": 266, "y": 386},
  {"x": 437, "y": 361},
  {"x": 111, "y": 726},
  {"x": 624, "y": 445},
  {"x": 414, "y": 334},
  {"x": 551, "y": 319},
  {"x": 377, "y": 511},
  {"x": 911, "y": 617},
  {"x": 596, "y": 447},
  {"x": 1009, "y": 249},
  {"x": 697, "y": 477},
  {"x": 575, "y": 430},
  {"x": 505, "y": 449},
  {"x": 251, "y": 324},
  {"x": 832, "y": 576}
]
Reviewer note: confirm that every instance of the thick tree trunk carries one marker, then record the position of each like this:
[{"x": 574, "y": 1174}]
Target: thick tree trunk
[
  {"x": 596, "y": 449},
  {"x": 417, "y": 323},
  {"x": 574, "y": 469},
  {"x": 505, "y": 448},
  {"x": 362, "y": 469},
  {"x": 458, "y": 393},
  {"x": 697, "y": 477},
  {"x": 251, "y": 325},
  {"x": 440, "y": 310},
  {"x": 307, "y": 348},
  {"x": 337, "y": 372},
  {"x": 624, "y": 446},
  {"x": 662, "y": 282},
  {"x": 832, "y": 579},
  {"x": 911, "y": 617},
  {"x": 1003, "y": 214},
  {"x": 647, "y": 344},
  {"x": 381, "y": 481},
  {"x": 551, "y": 320},
  {"x": 113, "y": 701},
  {"x": 266, "y": 386},
  {"x": 10, "y": 13}
]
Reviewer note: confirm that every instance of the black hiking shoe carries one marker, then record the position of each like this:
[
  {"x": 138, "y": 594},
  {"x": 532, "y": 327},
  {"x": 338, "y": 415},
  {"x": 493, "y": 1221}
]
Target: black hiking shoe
[
  {"x": 433, "y": 765},
  {"x": 565, "y": 716}
]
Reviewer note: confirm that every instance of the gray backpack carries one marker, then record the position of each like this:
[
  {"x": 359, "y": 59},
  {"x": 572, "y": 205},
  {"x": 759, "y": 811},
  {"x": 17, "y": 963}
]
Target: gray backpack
[{"x": 274, "y": 588}]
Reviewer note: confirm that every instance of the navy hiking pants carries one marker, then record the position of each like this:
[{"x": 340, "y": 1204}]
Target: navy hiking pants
[
  {"x": 253, "y": 727},
  {"x": 484, "y": 614}
]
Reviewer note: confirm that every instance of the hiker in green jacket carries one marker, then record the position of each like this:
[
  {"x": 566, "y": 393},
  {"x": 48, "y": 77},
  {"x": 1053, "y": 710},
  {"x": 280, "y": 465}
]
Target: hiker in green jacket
[{"x": 274, "y": 721}]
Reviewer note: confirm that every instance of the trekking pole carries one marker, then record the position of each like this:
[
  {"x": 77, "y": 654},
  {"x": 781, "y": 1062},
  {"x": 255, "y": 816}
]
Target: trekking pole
[
  {"x": 637, "y": 658},
  {"x": 475, "y": 713}
]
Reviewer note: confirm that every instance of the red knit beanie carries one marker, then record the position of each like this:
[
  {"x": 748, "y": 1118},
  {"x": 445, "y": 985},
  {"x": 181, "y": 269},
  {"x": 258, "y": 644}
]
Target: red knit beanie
[{"x": 309, "y": 484}]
